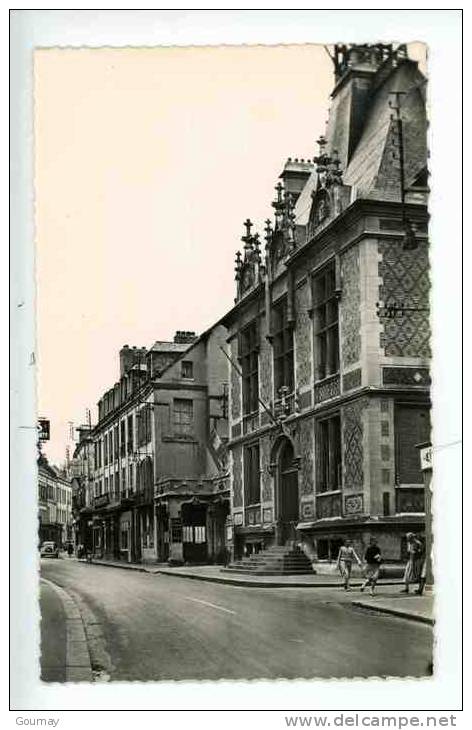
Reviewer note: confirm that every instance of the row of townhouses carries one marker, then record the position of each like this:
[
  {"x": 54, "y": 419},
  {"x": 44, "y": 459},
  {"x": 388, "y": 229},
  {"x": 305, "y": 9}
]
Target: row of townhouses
[
  {"x": 297, "y": 417},
  {"x": 55, "y": 504}
]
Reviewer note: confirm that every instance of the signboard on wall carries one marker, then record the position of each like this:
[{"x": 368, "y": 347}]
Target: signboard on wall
[
  {"x": 426, "y": 457},
  {"x": 43, "y": 429}
]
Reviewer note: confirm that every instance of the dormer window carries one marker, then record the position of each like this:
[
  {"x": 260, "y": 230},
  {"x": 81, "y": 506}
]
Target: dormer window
[{"x": 187, "y": 369}]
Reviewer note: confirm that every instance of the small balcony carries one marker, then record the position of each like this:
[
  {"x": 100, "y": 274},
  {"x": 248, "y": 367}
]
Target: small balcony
[
  {"x": 252, "y": 515},
  {"x": 284, "y": 405},
  {"x": 250, "y": 422}
]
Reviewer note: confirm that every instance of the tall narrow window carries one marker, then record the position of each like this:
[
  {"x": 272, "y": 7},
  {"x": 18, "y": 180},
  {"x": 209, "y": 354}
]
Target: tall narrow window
[
  {"x": 116, "y": 443},
  {"x": 105, "y": 450},
  {"x": 326, "y": 323},
  {"x": 252, "y": 475},
  {"x": 123, "y": 437},
  {"x": 283, "y": 348},
  {"x": 329, "y": 454},
  {"x": 183, "y": 416},
  {"x": 249, "y": 354},
  {"x": 130, "y": 434},
  {"x": 187, "y": 369}
]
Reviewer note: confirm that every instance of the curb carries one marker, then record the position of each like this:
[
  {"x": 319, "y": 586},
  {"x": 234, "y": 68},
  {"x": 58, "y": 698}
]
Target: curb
[
  {"x": 78, "y": 664},
  {"x": 137, "y": 568},
  {"x": 234, "y": 581},
  {"x": 260, "y": 584},
  {"x": 394, "y": 612}
]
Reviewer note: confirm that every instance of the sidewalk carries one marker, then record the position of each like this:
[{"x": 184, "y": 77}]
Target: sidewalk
[
  {"x": 415, "y": 608},
  {"x": 64, "y": 651},
  {"x": 53, "y": 635}
]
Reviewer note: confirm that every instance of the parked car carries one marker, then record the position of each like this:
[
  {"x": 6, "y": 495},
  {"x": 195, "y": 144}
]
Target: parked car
[{"x": 49, "y": 550}]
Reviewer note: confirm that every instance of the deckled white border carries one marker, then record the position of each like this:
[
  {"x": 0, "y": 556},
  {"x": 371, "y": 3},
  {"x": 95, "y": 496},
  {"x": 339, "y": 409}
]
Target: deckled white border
[{"x": 441, "y": 31}]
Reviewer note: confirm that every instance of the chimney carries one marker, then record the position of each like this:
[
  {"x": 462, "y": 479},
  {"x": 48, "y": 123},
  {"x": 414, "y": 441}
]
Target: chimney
[
  {"x": 130, "y": 356},
  {"x": 295, "y": 174},
  {"x": 183, "y": 337}
]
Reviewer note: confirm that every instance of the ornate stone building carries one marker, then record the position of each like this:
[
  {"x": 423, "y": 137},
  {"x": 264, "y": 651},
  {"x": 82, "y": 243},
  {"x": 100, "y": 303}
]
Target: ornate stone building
[{"x": 329, "y": 335}]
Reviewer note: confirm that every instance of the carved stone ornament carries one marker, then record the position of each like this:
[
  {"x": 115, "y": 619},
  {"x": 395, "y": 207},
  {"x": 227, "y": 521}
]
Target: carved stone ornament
[{"x": 247, "y": 278}]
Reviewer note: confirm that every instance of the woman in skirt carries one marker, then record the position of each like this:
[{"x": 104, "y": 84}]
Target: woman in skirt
[
  {"x": 346, "y": 556},
  {"x": 415, "y": 561}
]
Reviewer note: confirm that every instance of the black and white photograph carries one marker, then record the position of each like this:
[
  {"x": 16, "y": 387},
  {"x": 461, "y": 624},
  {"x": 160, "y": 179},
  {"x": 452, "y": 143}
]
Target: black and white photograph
[{"x": 235, "y": 427}]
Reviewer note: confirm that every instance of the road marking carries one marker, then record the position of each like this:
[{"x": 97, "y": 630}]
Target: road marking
[{"x": 213, "y": 605}]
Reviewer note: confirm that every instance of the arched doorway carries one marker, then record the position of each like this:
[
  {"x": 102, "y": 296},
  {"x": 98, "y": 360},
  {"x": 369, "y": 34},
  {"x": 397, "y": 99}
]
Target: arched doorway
[{"x": 288, "y": 504}]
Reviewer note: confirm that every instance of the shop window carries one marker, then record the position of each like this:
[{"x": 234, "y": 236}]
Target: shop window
[
  {"x": 187, "y": 533},
  {"x": 252, "y": 475},
  {"x": 187, "y": 369},
  {"x": 329, "y": 454},
  {"x": 199, "y": 534},
  {"x": 328, "y": 549},
  {"x": 249, "y": 356},
  {"x": 326, "y": 317},
  {"x": 183, "y": 416},
  {"x": 282, "y": 332}
]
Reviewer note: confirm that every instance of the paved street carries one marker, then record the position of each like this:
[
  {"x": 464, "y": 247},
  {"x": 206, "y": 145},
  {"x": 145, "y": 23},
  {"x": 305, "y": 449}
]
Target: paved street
[{"x": 156, "y": 627}]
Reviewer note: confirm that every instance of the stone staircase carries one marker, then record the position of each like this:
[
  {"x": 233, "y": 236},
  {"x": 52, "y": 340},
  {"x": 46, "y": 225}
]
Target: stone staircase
[{"x": 276, "y": 560}]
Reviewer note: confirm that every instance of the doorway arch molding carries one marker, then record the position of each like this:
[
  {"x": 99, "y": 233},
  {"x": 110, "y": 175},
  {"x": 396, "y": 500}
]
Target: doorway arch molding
[{"x": 285, "y": 467}]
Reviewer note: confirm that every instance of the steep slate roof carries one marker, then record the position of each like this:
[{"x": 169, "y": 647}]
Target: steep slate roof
[{"x": 372, "y": 171}]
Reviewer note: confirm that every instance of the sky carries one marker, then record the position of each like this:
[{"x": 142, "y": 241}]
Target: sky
[{"x": 147, "y": 162}]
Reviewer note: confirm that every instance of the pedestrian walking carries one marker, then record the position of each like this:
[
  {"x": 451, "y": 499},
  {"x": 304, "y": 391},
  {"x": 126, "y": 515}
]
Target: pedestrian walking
[
  {"x": 415, "y": 562},
  {"x": 373, "y": 559},
  {"x": 422, "y": 581},
  {"x": 346, "y": 557},
  {"x": 70, "y": 549}
]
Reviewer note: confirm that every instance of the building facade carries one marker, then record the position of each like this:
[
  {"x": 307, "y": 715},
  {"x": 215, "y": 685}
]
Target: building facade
[
  {"x": 158, "y": 454},
  {"x": 329, "y": 336},
  {"x": 82, "y": 482},
  {"x": 192, "y": 481},
  {"x": 55, "y": 504}
]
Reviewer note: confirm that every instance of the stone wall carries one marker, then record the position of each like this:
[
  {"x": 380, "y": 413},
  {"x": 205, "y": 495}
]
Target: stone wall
[
  {"x": 303, "y": 344},
  {"x": 405, "y": 280},
  {"x": 350, "y": 308},
  {"x": 237, "y": 476}
]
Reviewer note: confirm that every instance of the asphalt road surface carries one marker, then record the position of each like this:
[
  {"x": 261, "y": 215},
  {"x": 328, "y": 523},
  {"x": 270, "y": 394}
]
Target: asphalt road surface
[{"x": 157, "y": 627}]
